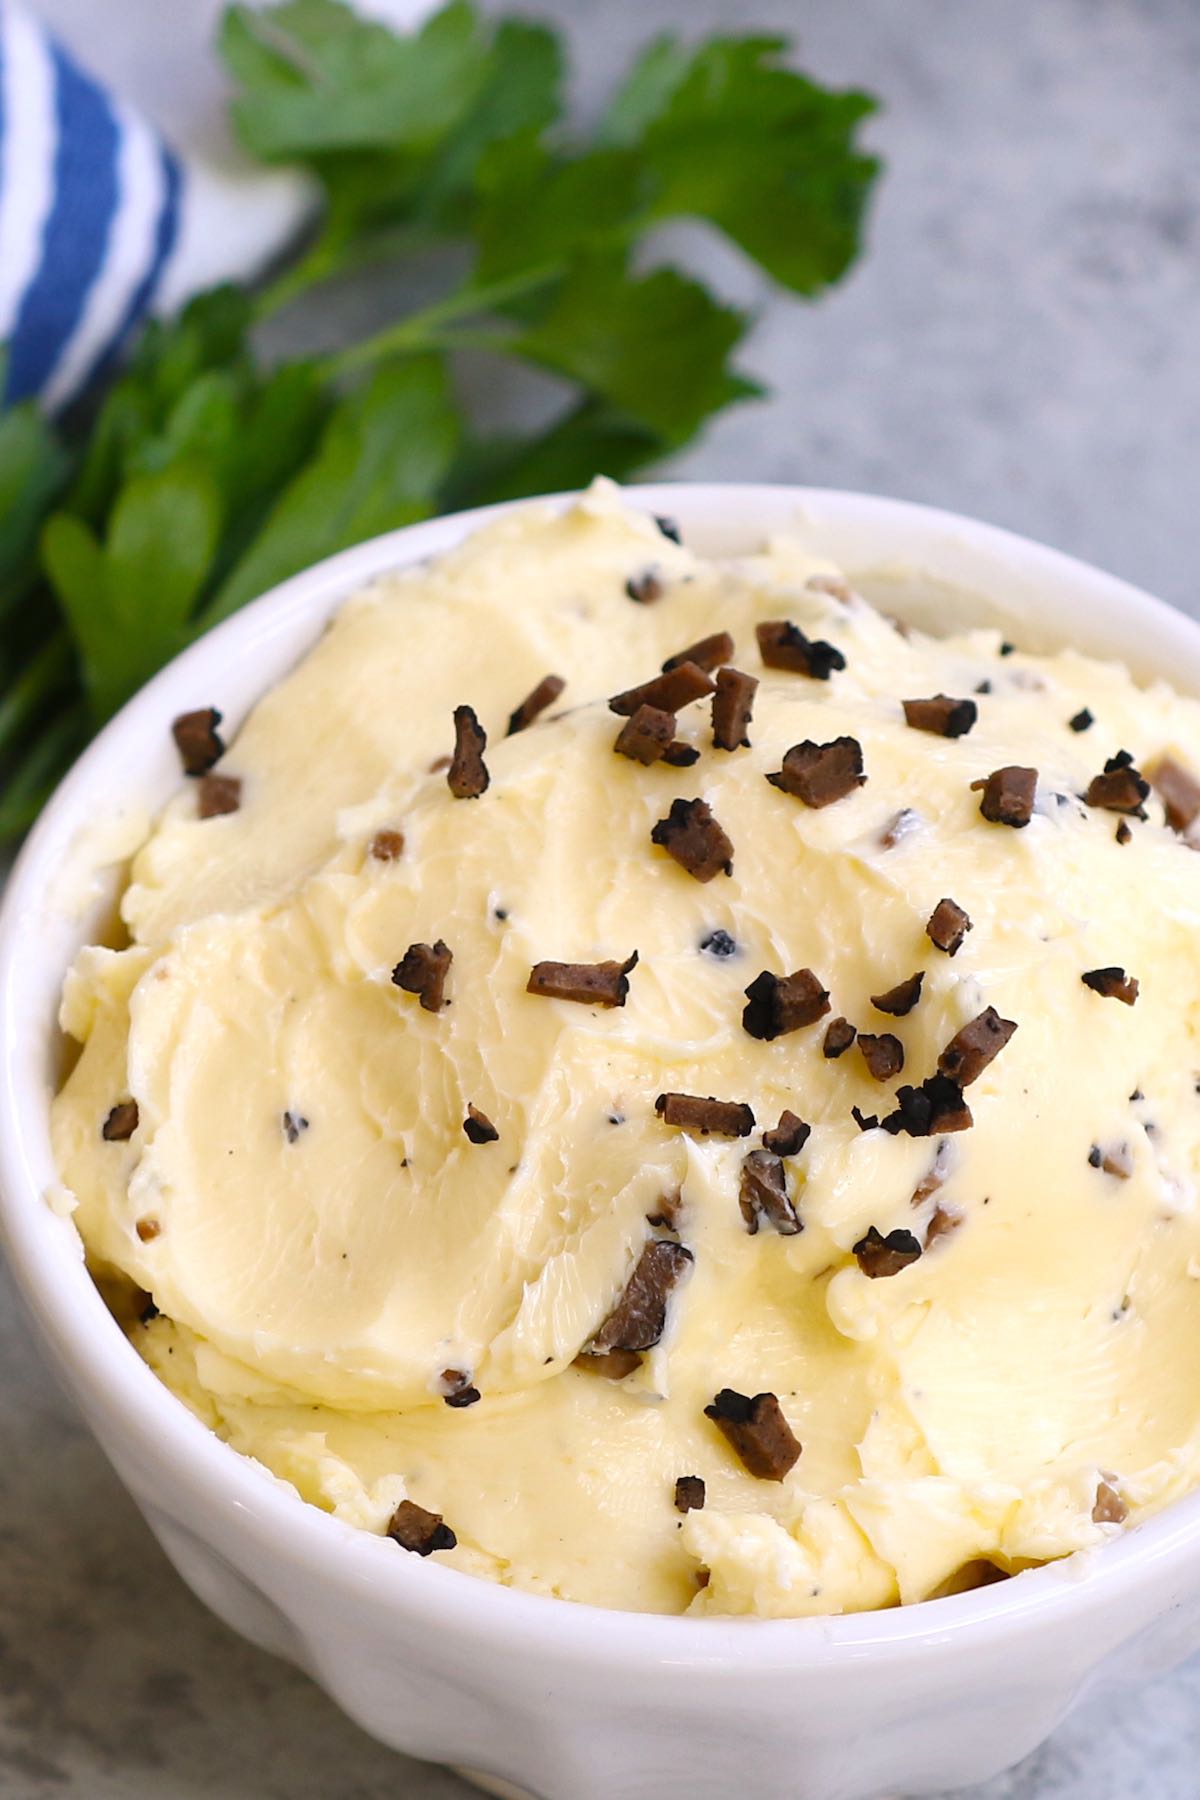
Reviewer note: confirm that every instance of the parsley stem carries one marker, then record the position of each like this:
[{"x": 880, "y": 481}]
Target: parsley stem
[
  {"x": 423, "y": 330},
  {"x": 34, "y": 685},
  {"x": 331, "y": 259},
  {"x": 473, "y": 337},
  {"x": 318, "y": 264}
]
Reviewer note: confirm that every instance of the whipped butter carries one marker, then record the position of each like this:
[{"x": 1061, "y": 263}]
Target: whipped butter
[{"x": 382, "y": 1239}]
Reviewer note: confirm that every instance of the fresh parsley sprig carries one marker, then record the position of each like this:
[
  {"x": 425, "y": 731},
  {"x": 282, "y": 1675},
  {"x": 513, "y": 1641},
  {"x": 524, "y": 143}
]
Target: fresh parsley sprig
[{"x": 206, "y": 473}]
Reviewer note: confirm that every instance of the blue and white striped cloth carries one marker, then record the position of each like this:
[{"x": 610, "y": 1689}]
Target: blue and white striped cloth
[
  {"x": 89, "y": 215},
  {"x": 101, "y": 221}
]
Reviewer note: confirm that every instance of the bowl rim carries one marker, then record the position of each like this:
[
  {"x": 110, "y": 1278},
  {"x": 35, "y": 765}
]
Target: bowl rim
[{"x": 241, "y": 1498}]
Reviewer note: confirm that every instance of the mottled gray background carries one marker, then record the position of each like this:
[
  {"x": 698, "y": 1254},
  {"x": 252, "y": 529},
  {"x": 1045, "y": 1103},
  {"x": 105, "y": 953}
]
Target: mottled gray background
[{"x": 1020, "y": 343}]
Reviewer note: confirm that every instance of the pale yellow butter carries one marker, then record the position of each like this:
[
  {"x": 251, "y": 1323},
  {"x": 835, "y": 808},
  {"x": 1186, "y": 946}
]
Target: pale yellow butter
[{"x": 312, "y": 1292}]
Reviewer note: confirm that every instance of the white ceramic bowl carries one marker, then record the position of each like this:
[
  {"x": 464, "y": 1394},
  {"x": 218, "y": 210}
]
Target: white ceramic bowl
[{"x": 566, "y": 1701}]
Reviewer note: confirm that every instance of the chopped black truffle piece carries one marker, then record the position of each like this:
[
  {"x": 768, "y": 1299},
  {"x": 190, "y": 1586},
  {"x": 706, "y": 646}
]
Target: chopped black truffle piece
[
  {"x": 1095, "y": 1156},
  {"x": 732, "y": 709},
  {"x": 783, "y": 645},
  {"x": 197, "y": 739},
  {"x": 423, "y": 971},
  {"x": 467, "y": 776},
  {"x": 647, "y": 736},
  {"x": 681, "y": 756},
  {"x": 1117, "y": 1160},
  {"x": 693, "y": 838},
  {"x": 670, "y": 692},
  {"x": 591, "y": 984},
  {"x": 718, "y": 943},
  {"x": 1082, "y": 720},
  {"x": 1008, "y": 795},
  {"x": 386, "y": 845},
  {"x": 1109, "y": 1508},
  {"x": 883, "y": 1055},
  {"x": 941, "y": 715},
  {"x": 668, "y": 527},
  {"x": 899, "y": 827},
  {"x": 948, "y": 926},
  {"x": 763, "y": 1194},
  {"x": 1178, "y": 789},
  {"x": 1007, "y": 649},
  {"x": 1112, "y": 984},
  {"x": 878, "y": 1256},
  {"x": 669, "y": 1212},
  {"x": 614, "y": 1364},
  {"x": 864, "y": 1121},
  {"x": 535, "y": 702},
  {"x": 646, "y": 588},
  {"x": 479, "y": 1127},
  {"x": 934, "y": 1177},
  {"x": 777, "y": 1004},
  {"x": 948, "y": 1109},
  {"x": 639, "y": 1318},
  {"x": 914, "y": 1110},
  {"x": 121, "y": 1122},
  {"x": 1121, "y": 788},
  {"x": 839, "y": 1036},
  {"x": 689, "y": 1494},
  {"x": 756, "y": 1431},
  {"x": 970, "y": 1050},
  {"x": 457, "y": 1390},
  {"x": 819, "y": 774},
  {"x": 936, "y": 1107},
  {"x": 942, "y": 1222},
  {"x": 901, "y": 999},
  {"x": 413, "y": 1528},
  {"x": 294, "y": 1124},
  {"x": 709, "y": 654},
  {"x": 789, "y": 1137},
  {"x": 690, "y": 1112},
  {"x": 218, "y": 794}
]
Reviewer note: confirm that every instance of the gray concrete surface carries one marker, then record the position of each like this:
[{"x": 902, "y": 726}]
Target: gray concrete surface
[{"x": 1020, "y": 344}]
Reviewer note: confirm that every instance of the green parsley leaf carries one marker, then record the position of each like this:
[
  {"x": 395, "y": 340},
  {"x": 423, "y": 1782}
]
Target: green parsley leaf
[
  {"x": 379, "y": 464},
  {"x": 430, "y": 192},
  {"x": 400, "y": 180},
  {"x": 734, "y": 136},
  {"x": 520, "y": 95},
  {"x": 206, "y": 475},
  {"x": 648, "y": 87},
  {"x": 320, "y": 78},
  {"x": 208, "y": 337},
  {"x": 33, "y": 467},
  {"x": 210, "y": 333},
  {"x": 128, "y": 601},
  {"x": 654, "y": 347},
  {"x": 590, "y": 439},
  {"x": 537, "y": 208}
]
